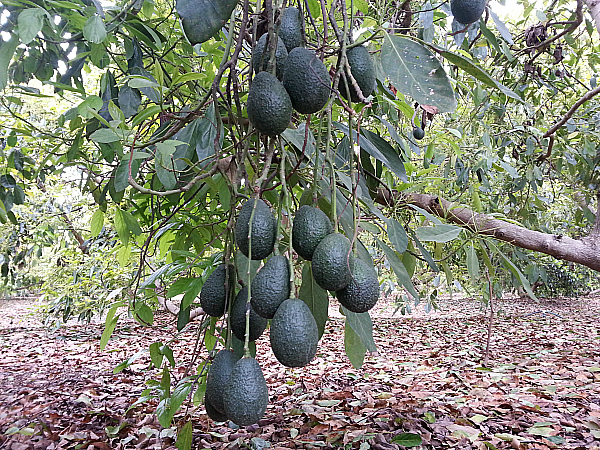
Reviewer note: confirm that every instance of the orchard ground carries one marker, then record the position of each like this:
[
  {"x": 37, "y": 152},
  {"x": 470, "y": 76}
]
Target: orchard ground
[{"x": 540, "y": 390}]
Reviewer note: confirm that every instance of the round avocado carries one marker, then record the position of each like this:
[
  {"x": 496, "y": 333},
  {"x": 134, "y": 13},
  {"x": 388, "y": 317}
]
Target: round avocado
[
  {"x": 362, "y": 292},
  {"x": 213, "y": 296},
  {"x": 467, "y": 11},
  {"x": 331, "y": 262},
  {"x": 237, "y": 320},
  {"x": 418, "y": 133},
  {"x": 264, "y": 229},
  {"x": 290, "y": 28},
  {"x": 260, "y": 55},
  {"x": 246, "y": 394},
  {"x": 363, "y": 71},
  {"x": 306, "y": 80},
  {"x": 217, "y": 378},
  {"x": 271, "y": 286},
  {"x": 269, "y": 106},
  {"x": 294, "y": 334},
  {"x": 310, "y": 226}
]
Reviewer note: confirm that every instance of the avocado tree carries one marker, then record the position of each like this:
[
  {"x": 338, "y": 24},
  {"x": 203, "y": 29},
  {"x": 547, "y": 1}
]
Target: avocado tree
[{"x": 435, "y": 147}]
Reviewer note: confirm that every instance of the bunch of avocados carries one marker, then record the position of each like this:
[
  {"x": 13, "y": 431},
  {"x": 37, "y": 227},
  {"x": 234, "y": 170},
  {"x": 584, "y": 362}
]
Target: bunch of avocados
[
  {"x": 302, "y": 82},
  {"x": 236, "y": 389}
]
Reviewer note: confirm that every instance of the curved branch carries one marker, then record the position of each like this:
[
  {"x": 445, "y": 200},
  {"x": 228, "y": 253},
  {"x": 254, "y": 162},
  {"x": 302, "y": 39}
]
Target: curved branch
[{"x": 587, "y": 96}]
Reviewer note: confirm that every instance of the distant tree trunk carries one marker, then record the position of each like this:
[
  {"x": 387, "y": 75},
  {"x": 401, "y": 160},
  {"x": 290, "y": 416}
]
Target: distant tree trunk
[{"x": 594, "y": 6}]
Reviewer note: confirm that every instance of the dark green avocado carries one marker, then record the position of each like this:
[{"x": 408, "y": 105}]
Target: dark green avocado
[
  {"x": 363, "y": 71},
  {"x": 331, "y": 262},
  {"x": 213, "y": 296},
  {"x": 246, "y": 394},
  {"x": 467, "y": 11},
  {"x": 269, "y": 106},
  {"x": 217, "y": 378},
  {"x": 418, "y": 133},
  {"x": 290, "y": 28},
  {"x": 200, "y": 23},
  {"x": 258, "y": 324},
  {"x": 259, "y": 55},
  {"x": 310, "y": 226},
  {"x": 306, "y": 79},
  {"x": 264, "y": 227},
  {"x": 362, "y": 292},
  {"x": 271, "y": 286},
  {"x": 213, "y": 413},
  {"x": 294, "y": 334}
]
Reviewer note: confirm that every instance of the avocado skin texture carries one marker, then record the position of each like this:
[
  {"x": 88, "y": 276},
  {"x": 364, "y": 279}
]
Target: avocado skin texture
[
  {"x": 271, "y": 286},
  {"x": 213, "y": 296},
  {"x": 363, "y": 71},
  {"x": 264, "y": 227},
  {"x": 260, "y": 54},
  {"x": 467, "y": 11},
  {"x": 246, "y": 394},
  {"x": 217, "y": 378},
  {"x": 310, "y": 226},
  {"x": 330, "y": 265},
  {"x": 213, "y": 413},
  {"x": 269, "y": 106},
  {"x": 290, "y": 28},
  {"x": 294, "y": 334},
  {"x": 362, "y": 292},
  {"x": 306, "y": 79},
  {"x": 238, "y": 318}
]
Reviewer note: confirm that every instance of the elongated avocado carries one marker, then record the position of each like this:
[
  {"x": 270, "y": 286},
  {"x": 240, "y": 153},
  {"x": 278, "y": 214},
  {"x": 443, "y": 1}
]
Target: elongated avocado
[
  {"x": 306, "y": 80},
  {"x": 217, "y": 378},
  {"x": 310, "y": 226},
  {"x": 362, "y": 292},
  {"x": 363, "y": 71},
  {"x": 260, "y": 55},
  {"x": 258, "y": 324},
  {"x": 294, "y": 334},
  {"x": 202, "y": 20},
  {"x": 269, "y": 105},
  {"x": 331, "y": 262},
  {"x": 271, "y": 286},
  {"x": 264, "y": 227},
  {"x": 213, "y": 296},
  {"x": 290, "y": 28},
  {"x": 211, "y": 412},
  {"x": 467, "y": 11},
  {"x": 246, "y": 394}
]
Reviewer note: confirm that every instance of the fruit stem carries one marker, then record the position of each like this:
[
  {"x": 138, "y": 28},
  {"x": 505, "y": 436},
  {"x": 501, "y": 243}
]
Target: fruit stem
[
  {"x": 248, "y": 282},
  {"x": 316, "y": 177},
  {"x": 286, "y": 197}
]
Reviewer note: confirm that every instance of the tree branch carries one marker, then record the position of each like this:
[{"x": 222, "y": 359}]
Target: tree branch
[
  {"x": 594, "y": 6},
  {"x": 587, "y": 96}
]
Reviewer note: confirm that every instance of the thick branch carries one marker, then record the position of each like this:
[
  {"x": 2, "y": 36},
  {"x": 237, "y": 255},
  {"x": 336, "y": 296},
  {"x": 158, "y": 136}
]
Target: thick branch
[{"x": 584, "y": 251}]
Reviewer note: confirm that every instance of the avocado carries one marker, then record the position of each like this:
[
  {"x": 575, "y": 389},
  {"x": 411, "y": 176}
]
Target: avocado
[
  {"x": 467, "y": 11},
  {"x": 418, "y": 133},
  {"x": 271, "y": 286},
  {"x": 363, "y": 71},
  {"x": 290, "y": 28},
  {"x": 362, "y": 292},
  {"x": 264, "y": 227},
  {"x": 237, "y": 320},
  {"x": 331, "y": 262},
  {"x": 310, "y": 226},
  {"x": 201, "y": 23},
  {"x": 294, "y": 334},
  {"x": 260, "y": 55},
  {"x": 213, "y": 413},
  {"x": 246, "y": 395},
  {"x": 217, "y": 378},
  {"x": 213, "y": 296},
  {"x": 306, "y": 80},
  {"x": 269, "y": 106}
]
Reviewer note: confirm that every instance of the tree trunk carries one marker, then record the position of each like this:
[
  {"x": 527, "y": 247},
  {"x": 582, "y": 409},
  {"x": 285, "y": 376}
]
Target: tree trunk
[{"x": 594, "y": 6}]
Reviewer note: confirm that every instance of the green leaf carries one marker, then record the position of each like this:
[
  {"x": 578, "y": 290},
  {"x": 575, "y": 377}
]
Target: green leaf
[
  {"x": 129, "y": 101},
  {"x": 144, "y": 314},
  {"x": 192, "y": 292},
  {"x": 515, "y": 271},
  {"x": 104, "y": 136},
  {"x": 7, "y": 50},
  {"x": 131, "y": 222},
  {"x": 97, "y": 222},
  {"x": 155, "y": 354},
  {"x": 164, "y": 413},
  {"x": 415, "y": 71},
  {"x": 315, "y": 297},
  {"x": 180, "y": 286},
  {"x": 109, "y": 325},
  {"x": 472, "y": 263},
  {"x": 501, "y": 28},
  {"x": 440, "y": 233},
  {"x": 362, "y": 325},
  {"x": 94, "y": 29},
  {"x": 30, "y": 23},
  {"x": 355, "y": 349},
  {"x": 398, "y": 268},
  {"x": 397, "y": 235},
  {"x": 146, "y": 113},
  {"x": 407, "y": 439},
  {"x": 121, "y": 226},
  {"x": 184, "y": 437},
  {"x": 165, "y": 170}
]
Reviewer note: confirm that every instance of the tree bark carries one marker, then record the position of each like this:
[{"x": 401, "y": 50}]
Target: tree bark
[
  {"x": 594, "y": 6},
  {"x": 585, "y": 251}
]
